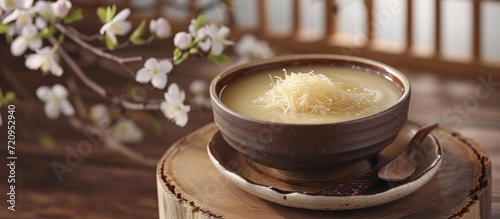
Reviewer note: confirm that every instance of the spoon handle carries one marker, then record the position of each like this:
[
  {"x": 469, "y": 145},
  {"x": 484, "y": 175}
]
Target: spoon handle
[
  {"x": 403, "y": 166},
  {"x": 419, "y": 136}
]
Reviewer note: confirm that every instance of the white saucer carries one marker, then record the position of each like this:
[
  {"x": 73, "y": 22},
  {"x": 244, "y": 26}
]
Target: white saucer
[{"x": 358, "y": 187}]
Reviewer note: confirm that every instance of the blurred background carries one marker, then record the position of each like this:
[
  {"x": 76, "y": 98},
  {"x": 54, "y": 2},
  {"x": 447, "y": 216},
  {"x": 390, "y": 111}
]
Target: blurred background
[{"x": 447, "y": 48}]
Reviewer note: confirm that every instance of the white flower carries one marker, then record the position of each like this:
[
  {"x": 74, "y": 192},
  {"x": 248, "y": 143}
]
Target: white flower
[
  {"x": 117, "y": 26},
  {"x": 44, "y": 59},
  {"x": 201, "y": 100},
  {"x": 218, "y": 38},
  {"x": 99, "y": 113},
  {"x": 9, "y": 5},
  {"x": 205, "y": 42},
  {"x": 13, "y": 30},
  {"x": 173, "y": 107},
  {"x": 154, "y": 71},
  {"x": 28, "y": 38},
  {"x": 61, "y": 8},
  {"x": 56, "y": 101},
  {"x": 22, "y": 17},
  {"x": 182, "y": 40},
  {"x": 126, "y": 131},
  {"x": 197, "y": 34},
  {"x": 191, "y": 27},
  {"x": 40, "y": 23},
  {"x": 160, "y": 27},
  {"x": 198, "y": 87},
  {"x": 44, "y": 8},
  {"x": 249, "y": 48}
]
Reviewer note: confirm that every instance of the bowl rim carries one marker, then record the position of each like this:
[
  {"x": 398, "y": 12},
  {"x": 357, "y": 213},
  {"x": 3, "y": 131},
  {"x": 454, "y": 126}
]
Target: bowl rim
[{"x": 215, "y": 97}]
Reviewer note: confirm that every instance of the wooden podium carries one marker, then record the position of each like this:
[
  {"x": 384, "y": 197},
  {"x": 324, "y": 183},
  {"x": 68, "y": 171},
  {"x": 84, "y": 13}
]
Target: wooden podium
[{"x": 189, "y": 186}]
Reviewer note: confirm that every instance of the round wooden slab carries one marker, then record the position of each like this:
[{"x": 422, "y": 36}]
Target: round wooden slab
[{"x": 189, "y": 186}]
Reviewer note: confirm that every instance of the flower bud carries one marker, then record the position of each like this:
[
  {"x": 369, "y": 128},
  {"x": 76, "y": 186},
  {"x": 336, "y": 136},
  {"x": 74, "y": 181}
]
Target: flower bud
[
  {"x": 160, "y": 27},
  {"x": 198, "y": 87},
  {"x": 40, "y": 23},
  {"x": 61, "y": 8},
  {"x": 99, "y": 115},
  {"x": 182, "y": 40}
]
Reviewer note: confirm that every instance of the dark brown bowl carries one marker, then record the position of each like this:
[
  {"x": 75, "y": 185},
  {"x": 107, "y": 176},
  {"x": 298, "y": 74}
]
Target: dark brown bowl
[{"x": 307, "y": 147}]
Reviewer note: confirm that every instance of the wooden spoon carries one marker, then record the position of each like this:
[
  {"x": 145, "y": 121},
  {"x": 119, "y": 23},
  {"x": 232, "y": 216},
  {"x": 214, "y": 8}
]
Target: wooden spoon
[{"x": 403, "y": 166}]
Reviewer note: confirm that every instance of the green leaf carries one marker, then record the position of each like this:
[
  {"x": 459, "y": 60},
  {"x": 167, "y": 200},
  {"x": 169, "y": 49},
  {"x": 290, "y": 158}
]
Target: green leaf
[
  {"x": 193, "y": 51},
  {"x": 135, "y": 37},
  {"x": 194, "y": 43},
  {"x": 111, "y": 46},
  {"x": 200, "y": 21},
  {"x": 110, "y": 12},
  {"x": 10, "y": 97},
  {"x": 220, "y": 59},
  {"x": 177, "y": 53},
  {"x": 150, "y": 39},
  {"x": 107, "y": 13},
  {"x": 9, "y": 38},
  {"x": 45, "y": 140},
  {"x": 136, "y": 94},
  {"x": 3, "y": 28},
  {"x": 183, "y": 57},
  {"x": 101, "y": 13},
  {"x": 61, "y": 38},
  {"x": 46, "y": 32},
  {"x": 137, "y": 41},
  {"x": 157, "y": 127},
  {"x": 74, "y": 16}
]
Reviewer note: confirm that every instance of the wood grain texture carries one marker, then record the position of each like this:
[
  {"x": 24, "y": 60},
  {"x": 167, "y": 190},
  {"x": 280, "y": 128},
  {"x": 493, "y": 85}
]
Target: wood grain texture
[{"x": 189, "y": 186}]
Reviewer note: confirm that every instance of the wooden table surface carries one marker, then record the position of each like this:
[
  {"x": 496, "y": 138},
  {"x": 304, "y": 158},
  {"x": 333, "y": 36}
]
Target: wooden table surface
[{"x": 107, "y": 185}]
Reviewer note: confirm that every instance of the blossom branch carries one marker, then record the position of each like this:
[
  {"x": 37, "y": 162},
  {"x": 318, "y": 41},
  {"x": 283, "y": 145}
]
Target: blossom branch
[
  {"x": 131, "y": 59},
  {"x": 96, "y": 87},
  {"x": 84, "y": 36},
  {"x": 119, "y": 46},
  {"x": 20, "y": 89},
  {"x": 98, "y": 52},
  {"x": 77, "y": 70},
  {"x": 80, "y": 108},
  {"x": 139, "y": 106},
  {"x": 113, "y": 144}
]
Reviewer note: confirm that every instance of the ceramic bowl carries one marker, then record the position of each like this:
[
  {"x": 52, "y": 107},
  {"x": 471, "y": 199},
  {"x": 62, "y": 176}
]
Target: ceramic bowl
[{"x": 310, "y": 147}]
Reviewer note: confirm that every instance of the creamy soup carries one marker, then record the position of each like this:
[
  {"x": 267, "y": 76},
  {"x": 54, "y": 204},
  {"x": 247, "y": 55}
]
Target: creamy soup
[{"x": 310, "y": 94}]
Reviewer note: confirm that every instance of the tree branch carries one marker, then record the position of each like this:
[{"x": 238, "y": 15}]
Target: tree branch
[
  {"x": 77, "y": 70},
  {"x": 96, "y": 87},
  {"x": 119, "y": 46},
  {"x": 80, "y": 108},
  {"x": 19, "y": 88},
  {"x": 84, "y": 36},
  {"x": 140, "y": 106},
  {"x": 113, "y": 144},
  {"x": 97, "y": 51}
]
